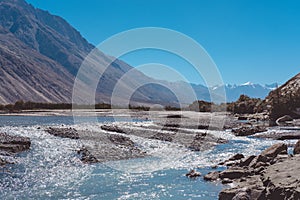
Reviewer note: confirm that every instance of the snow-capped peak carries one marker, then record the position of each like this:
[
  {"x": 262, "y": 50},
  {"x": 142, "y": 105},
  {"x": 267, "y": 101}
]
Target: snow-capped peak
[{"x": 247, "y": 83}]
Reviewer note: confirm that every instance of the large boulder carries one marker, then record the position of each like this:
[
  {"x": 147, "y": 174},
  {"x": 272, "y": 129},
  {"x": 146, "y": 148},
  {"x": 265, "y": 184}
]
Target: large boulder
[
  {"x": 248, "y": 130},
  {"x": 193, "y": 174},
  {"x": 297, "y": 148},
  {"x": 112, "y": 128},
  {"x": 237, "y": 156},
  {"x": 212, "y": 176},
  {"x": 234, "y": 193},
  {"x": 234, "y": 173},
  {"x": 274, "y": 150},
  {"x": 246, "y": 161},
  {"x": 282, "y": 120},
  {"x": 234, "y": 160},
  {"x": 242, "y": 196},
  {"x": 282, "y": 180}
]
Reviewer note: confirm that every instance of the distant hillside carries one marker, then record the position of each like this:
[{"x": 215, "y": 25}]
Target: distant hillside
[{"x": 41, "y": 54}]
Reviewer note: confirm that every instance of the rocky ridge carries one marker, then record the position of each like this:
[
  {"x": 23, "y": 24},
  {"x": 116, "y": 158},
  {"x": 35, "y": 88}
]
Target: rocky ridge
[{"x": 285, "y": 100}]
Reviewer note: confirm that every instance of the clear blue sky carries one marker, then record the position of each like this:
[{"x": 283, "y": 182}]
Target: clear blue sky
[{"x": 250, "y": 40}]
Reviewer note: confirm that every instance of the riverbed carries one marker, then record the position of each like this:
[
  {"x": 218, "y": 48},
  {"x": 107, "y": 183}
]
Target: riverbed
[{"x": 52, "y": 168}]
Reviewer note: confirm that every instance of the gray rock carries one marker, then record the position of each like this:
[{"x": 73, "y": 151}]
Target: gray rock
[
  {"x": 63, "y": 132},
  {"x": 282, "y": 179},
  {"x": 212, "y": 176},
  {"x": 297, "y": 148},
  {"x": 261, "y": 164},
  {"x": 281, "y": 120},
  {"x": 248, "y": 130},
  {"x": 112, "y": 128},
  {"x": 226, "y": 181},
  {"x": 262, "y": 159},
  {"x": 193, "y": 174},
  {"x": 274, "y": 150},
  {"x": 247, "y": 161},
  {"x": 236, "y": 157},
  {"x": 258, "y": 170},
  {"x": 241, "y": 196},
  {"x": 234, "y": 173},
  {"x": 277, "y": 179},
  {"x": 229, "y": 194},
  {"x": 233, "y": 161}
]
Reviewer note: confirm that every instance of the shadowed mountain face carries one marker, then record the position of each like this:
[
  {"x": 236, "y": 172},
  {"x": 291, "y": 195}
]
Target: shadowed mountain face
[
  {"x": 41, "y": 55},
  {"x": 50, "y": 35},
  {"x": 28, "y": 75}
]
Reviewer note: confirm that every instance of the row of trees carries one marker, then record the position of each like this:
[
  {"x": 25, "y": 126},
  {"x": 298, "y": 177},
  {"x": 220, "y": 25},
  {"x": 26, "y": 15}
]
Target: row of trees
[
  {"x": 147, "y": 108},
  {"x": 243, "y": 105},
  {"x": 21, "y": 105}
]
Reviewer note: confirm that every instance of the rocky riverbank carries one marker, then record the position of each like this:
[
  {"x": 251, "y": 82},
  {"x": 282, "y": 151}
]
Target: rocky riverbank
[{"x": 273, "y": 174}]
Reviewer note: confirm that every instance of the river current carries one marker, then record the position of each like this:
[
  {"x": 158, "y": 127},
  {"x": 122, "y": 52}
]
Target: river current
[{"x": 53, "y": 170}]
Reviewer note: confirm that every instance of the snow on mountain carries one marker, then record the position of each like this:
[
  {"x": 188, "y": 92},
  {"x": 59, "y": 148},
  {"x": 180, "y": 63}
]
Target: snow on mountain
[
  {"x": 247, "y": 83},
  {"x": 250, "y": 89}
]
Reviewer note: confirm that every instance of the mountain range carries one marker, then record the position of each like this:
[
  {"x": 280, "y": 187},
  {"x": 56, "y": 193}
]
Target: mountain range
[
  {"x": 40, "y": 55},
  {"x": 233, "y": 92}
]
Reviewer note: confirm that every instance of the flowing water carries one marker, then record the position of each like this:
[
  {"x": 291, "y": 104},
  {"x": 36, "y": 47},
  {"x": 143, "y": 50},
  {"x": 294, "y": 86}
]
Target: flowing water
[{"x": 52, "y": 169}]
